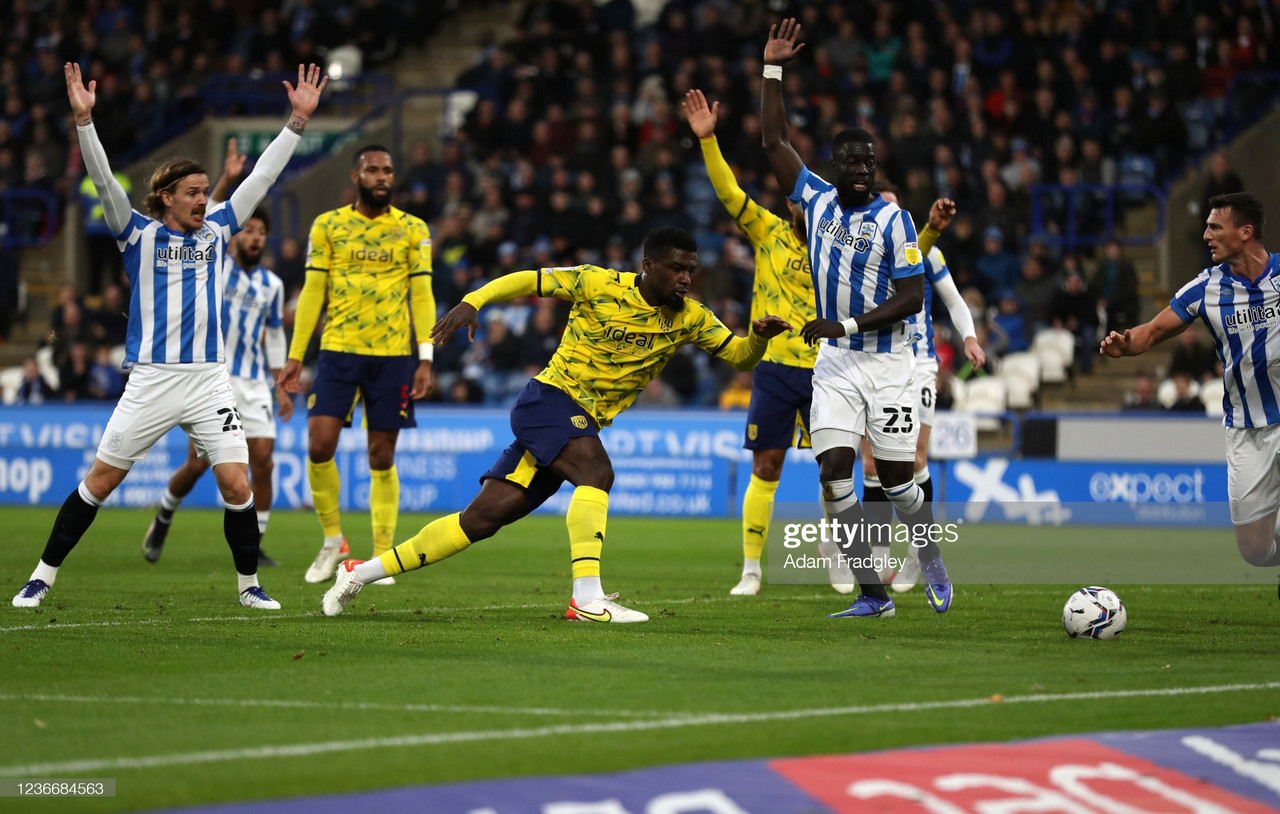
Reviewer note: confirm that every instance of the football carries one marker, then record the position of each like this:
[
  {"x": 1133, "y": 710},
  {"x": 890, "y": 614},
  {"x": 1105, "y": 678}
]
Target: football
[{"x": 1094, "y": 613}]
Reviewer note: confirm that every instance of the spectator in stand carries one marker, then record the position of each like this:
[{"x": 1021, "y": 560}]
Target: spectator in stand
[
  {"x": 1116, "y": 285},
  {"x": 1194, "y": 358},
  {"x": 541, "y": 338},
  {"x": 1037, "y": 292},
  {"x": 73, "y": 373},
  {"x": 1222, "y": 180},
  {"x": 737, "y": 395},
  {"x": 110, "y": 322},
  {"x": 34, "y": 389},
  {"x": 1184, "y": 400},
  {"x": 1075, "y": 310},
  {"x": 1142, "y": 398},
  {"x": 105, "y": 380},
  {"x": 997, "y": 269},
  {"x": 1011, "y": 318}
]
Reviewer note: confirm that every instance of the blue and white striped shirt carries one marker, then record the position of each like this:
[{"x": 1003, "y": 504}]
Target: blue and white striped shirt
[
  {"x": 176, "y": 281},
  {"x": 935, "y": 268},
  {"x": 1244, "y": 319},
  {"x": 855, "y": 255},
  {"x": 253, "y": 301}
]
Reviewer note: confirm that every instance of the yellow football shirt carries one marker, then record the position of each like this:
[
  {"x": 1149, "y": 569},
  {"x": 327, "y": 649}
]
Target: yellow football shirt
[
  {"x": 369, "y": 264},
  {"x": 616, "y": 343},
  {"x": 784, "y": 281}
]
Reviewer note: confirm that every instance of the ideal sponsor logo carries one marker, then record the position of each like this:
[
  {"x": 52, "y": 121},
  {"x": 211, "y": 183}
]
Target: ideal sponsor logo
[
  {"x": 372, "y": 254},
  {"x": 622, "y": 336}
]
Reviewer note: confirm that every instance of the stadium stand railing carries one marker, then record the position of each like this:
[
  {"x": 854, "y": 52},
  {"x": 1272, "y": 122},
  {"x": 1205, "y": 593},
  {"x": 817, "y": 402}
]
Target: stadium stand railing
[{"x": 1080, "y": 225}]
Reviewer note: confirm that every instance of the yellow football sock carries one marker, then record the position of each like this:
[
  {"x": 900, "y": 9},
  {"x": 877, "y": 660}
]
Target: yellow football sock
[
  {"x": 586, "y": 518},
  {"x": 325, "y": 485},
  {"x": 757, "y": 509},
  {"x": 384, "y": 505},
  {"x": 439, "y": 540}
]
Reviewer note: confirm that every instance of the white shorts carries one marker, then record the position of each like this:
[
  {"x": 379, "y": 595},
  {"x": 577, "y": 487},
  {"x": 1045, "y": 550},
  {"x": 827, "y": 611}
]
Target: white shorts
[
  {"x": 158, "y": 398},
  {"x": 253, "y": 398},
  {"x": 925, "y": 383},
  {"x": 1253, "y": 472},
  {"x": 857, "y": 393}
]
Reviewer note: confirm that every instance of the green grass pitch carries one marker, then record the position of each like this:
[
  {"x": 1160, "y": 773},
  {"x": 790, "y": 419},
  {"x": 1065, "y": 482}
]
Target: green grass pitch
[{"x": 155, "y": 676}]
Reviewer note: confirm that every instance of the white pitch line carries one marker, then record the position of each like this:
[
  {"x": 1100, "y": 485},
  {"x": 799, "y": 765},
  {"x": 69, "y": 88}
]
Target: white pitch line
[
  {"x": 290, "y": 704},
  {"x": 978, "y": 590},
  {"x": 72, "y": 767}
]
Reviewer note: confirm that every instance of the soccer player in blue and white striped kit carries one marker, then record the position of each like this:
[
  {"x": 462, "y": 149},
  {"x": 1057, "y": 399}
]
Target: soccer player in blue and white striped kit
[
  {"x": 175, "y": 263},
  {"x": 868, "y": 283},
  {"x": 1239, "y": 300},
  {"x": 253, "y": 334}
]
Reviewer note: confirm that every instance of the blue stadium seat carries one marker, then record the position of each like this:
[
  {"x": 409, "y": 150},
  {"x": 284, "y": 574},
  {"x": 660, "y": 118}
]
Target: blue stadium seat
[
  {"x": 1135, "y": 169},
  {"x": 1199, "y": 119}
]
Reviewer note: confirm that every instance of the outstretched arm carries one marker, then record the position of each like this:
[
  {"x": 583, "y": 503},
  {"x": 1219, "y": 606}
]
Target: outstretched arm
[
  {"x": 1139, "y": 340},
  {"x": 940, "y": 215},
  {"x": 115, "y": 201},
  {"x": 465, "y": 314},
  {"x": 781, "y": 47},
  {"x": 304, "y": 98},
  {"x": 232, "y": 166}
]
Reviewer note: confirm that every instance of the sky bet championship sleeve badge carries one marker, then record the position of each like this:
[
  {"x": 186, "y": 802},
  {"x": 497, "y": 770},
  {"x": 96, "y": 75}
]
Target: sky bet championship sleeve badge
[{"x": 912, "y": 250}]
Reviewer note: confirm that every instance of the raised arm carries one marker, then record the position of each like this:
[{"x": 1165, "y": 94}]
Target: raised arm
[
  {"x": 702, "y": 121},
  {"x": 304, "y": 98},
  {"x": 781, "y": 47},
  {"x": 232, "y": 167},
  {"x": 115, "y": 201},
  {"x": 940, "y": 216},
  {"x": 1139, "y": 340}
]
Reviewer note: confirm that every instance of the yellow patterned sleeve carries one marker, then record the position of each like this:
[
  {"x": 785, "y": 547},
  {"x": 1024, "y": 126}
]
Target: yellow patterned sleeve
[
  {"x": 509, "y": 287},
  {"x": 311, "y": 300},
  {"x": 422, "y": 301},
  {"x": 726, "y": 186},
  {"x": 710, "y": 334},
  {"x": 928, "y": 238}
]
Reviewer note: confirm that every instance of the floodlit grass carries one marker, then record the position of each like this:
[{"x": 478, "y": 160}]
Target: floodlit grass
[{"x": 154, "y": 675}]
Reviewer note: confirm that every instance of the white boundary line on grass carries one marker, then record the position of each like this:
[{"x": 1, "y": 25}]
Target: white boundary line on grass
[
  {"x": 687, "y": 600},
  {"x": 712, "y": 719},
  {"x": 358, "y": 706}
]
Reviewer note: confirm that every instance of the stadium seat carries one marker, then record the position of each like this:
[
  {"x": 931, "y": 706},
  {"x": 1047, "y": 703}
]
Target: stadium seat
[
  {"x": 1054, "y": 349},
  {"x": 343, "y": 63},
  {"x": 1167, "y": 393},
  {"x": 456, "y": 107},
  {"x": 986, "y": 394},
  {"x": 44, "y": 361},
  {"x": 1021, "y": 372},
  {"x": 118, "y": 353},
  {"x": 1135, "y": 169},
  {"x": 1211, "y": 393},
  {"x": 1198, "y": 118},
  {"x": 10, "y": 381}
]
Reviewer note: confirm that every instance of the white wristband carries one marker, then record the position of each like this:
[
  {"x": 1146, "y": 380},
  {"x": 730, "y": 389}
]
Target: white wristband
[
  {"x": 426, "y": 351},
  {"x": 850, "y": 326},
  {"x": 773, "y": 72}
]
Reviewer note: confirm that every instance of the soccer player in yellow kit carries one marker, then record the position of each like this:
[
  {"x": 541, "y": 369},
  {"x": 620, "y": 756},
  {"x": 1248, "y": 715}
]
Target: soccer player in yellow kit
[
  {"x": 623, "y": 329},
  {"x": 782, "y": 385},
  {"x": 374, "y": 262}
]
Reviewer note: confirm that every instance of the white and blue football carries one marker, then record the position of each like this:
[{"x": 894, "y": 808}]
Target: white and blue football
[{"x": 1094, "y": 613}]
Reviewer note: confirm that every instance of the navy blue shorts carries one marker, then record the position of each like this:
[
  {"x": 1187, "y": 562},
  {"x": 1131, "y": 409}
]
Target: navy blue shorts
[
  {"x": 544, "y": 419},
  {"x": 382, "y": 382},
  {"x": 780, "y": 397}
]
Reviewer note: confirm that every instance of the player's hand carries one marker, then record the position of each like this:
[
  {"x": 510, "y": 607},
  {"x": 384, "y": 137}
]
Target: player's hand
[
  {"x": 816, "y": 330},
  {"x": 306, "y": 96},
  {"x": 288, "y": 378},
  {"x": 82, "y": 98},
  {"x": 975, "y": 352},
  {"x": 284, "y": 404},
  {"x": 1116, "y": 345},
  {"x": 783, "y": 44},
  {"x": 458, "y": 316},
  {"x": 769, "y": 326},
  {"x": 941, "y": 213},
  {"x": 421, "y": 381},
  {"x": 702, "y": 119},
  {"x": 233, "y": 163}
]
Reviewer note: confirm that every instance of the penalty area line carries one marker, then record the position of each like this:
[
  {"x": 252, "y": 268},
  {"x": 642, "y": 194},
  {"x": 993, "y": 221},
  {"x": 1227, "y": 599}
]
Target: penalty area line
[{"x": 85, "y": 766}]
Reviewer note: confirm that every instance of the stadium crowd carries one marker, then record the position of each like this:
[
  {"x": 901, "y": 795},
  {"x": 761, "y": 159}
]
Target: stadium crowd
[{"x": 574, "y": 148}]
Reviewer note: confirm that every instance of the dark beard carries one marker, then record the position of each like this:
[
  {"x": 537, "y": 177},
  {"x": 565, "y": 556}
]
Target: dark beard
[
  {"x": 675, "y": 302},
  {"x": 372, "y": 199}
]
